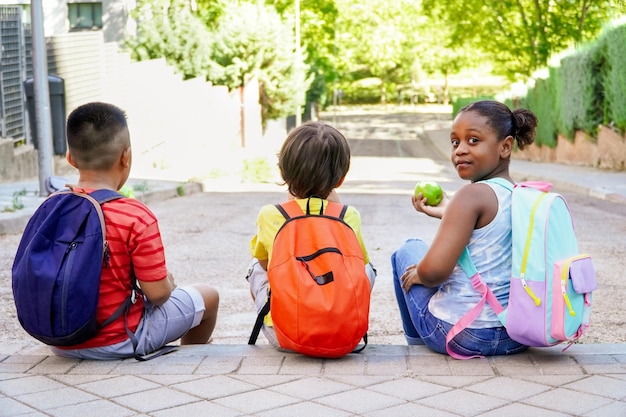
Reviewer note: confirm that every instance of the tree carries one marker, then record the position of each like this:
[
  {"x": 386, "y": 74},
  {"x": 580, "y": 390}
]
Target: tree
[
  {"x": 379, "y": 39},
  {"x": 520, "y": 36},
  {"x": 168, "y": 29},
  {"x": 317, "y": 23},
  {"x": 228, "y": 44},
  {"x": 251, "y": 40}
]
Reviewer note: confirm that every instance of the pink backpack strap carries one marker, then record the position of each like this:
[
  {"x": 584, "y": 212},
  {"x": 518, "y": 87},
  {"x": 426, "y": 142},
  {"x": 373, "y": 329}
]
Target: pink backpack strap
[
  {"x": 538, "y": 185},
  {"x": 486, "y": 295}
]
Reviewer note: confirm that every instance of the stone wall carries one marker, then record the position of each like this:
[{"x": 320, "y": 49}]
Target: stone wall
[{"x": 607, "y": 151}]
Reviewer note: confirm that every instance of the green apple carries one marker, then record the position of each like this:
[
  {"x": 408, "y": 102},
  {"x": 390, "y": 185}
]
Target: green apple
[{"x": 431, "y": 191}]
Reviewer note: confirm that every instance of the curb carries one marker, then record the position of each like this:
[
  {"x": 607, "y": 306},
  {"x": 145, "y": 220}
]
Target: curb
[{"x": 15, "y": 223}]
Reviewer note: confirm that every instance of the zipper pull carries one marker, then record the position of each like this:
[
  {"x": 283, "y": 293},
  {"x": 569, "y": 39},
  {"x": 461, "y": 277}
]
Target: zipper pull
[{"x": 107, "y": 254}]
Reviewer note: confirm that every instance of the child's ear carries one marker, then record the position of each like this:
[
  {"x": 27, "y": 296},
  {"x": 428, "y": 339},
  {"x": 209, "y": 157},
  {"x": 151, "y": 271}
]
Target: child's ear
[
  {"x": 126, "y": 157},
  {"x": 506, "y": 147},
  {"x": 340, "y": 182},
  {"x": 70, "y": 160}
]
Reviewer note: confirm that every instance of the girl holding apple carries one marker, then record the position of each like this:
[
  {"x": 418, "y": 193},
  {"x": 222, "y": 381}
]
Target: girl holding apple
[{"x": 432, "y": 290}]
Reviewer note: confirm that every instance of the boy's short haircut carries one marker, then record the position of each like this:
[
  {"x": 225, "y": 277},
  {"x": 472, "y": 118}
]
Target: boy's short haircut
[
  {"x": 97, "y": 133},
  {"x": 314, "y": 159}
]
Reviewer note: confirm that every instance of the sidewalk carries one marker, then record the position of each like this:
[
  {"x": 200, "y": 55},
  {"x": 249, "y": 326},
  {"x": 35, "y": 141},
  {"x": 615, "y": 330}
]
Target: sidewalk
[{"x": 384, "y": 380}]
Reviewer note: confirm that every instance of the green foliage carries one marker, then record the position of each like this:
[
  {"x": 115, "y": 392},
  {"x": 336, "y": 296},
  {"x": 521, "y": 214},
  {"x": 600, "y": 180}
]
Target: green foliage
[
  {"x": 317, "y": 27},
  {"x": 581, "y": 91},
  {"x": 378, "y": 39},
  {"x": 542, "y": 100},
  {"x": 16, "y": 201},
  {"x": 614, "y": 79},
  {"x": 459, "y": 103},
  {"x": 251, "y": 41},
  {"x": 168, "y": 29},
  {"x": 519, "y": 36},
  {"x": 256, "y": 170}
]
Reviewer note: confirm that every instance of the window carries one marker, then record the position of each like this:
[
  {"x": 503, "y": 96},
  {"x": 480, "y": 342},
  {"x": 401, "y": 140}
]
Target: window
[{"x": 85, "y": 16}]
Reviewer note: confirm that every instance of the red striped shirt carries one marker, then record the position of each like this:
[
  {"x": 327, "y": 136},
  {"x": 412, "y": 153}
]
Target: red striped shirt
[{"x": 135, "y": 244}]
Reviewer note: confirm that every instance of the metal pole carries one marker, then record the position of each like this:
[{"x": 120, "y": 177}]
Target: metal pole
[
  {"x": 298, "y": 57},
  {"x": 42, "y": 114}
]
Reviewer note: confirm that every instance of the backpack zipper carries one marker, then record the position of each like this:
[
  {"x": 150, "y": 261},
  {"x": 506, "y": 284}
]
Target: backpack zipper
[{"x": 70, "y": 253}]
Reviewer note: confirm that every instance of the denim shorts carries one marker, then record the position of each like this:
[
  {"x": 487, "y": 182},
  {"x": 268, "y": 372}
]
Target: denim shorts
[
  {"x": 421, "y": 327},
  {"x": 159, "y": 326}
]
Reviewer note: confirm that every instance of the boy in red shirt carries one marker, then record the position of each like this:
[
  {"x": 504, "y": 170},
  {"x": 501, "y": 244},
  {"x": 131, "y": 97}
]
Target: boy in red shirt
[{"x": 99, "y": 147}]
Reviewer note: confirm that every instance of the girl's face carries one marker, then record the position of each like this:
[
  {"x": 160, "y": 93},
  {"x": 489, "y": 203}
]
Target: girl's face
[{"x": 476, "y": 152}]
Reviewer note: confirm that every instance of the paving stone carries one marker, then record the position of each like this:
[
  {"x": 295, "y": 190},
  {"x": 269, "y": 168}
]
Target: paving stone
[
  {"x": 254, "y": 402},
  {"x": 10, "y": 407},
  {"x": 301, "y": 365},
  {"x": 154, "y": 400},
  {"x": 409, "y": 410},
  {"x": 49, "y": 399},
  {"x": 215, "y": 387},
  {"x": 463, "y": 402},
  {"x": 568, "y": 401},
  {"x": 360, "y": 401},
  {"x": 311, "y": 388},
  {"x": 408, "y": 389},
  {"x": 98, "y": 408},
  {"x": 616, "y": 408},
  {"x": 600, "y": 385},
  {"x": 218, "y": 365},
  {"x": 198, "y": 409},
  {"x": 518, "y": 410},
  {"x": 387, "y": 365},
  {"x": 117, "y": 386},
  {"x": 508, "y": 388},
  {"x": 261, "y": 365},
  {"x": 305, "y": 409},
  {"x": 28, "y": 385}
]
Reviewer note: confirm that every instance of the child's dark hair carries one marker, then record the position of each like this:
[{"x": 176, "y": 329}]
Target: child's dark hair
[
  {"x": 519, "y": 123},
  {"x": 313, "y": 160},
  {"x": 96, "y": 135}
]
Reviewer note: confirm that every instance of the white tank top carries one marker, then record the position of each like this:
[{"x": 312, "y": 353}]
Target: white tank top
[{"x": 490, "y": 249}]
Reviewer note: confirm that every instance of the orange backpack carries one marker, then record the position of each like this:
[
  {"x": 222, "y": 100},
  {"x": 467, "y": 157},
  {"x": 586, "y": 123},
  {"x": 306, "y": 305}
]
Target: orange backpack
[{"x": 319, "y": 291}]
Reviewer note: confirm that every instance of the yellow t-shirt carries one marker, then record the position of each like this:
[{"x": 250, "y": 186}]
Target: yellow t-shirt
[{"x": 270, "y": 220}]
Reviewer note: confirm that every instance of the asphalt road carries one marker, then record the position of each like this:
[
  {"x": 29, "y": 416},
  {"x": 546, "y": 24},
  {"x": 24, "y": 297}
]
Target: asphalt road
[{"x": 206, "y": 235}]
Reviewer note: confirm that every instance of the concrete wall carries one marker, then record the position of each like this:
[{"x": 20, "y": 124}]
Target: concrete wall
[{"x": 180, "y": 129}]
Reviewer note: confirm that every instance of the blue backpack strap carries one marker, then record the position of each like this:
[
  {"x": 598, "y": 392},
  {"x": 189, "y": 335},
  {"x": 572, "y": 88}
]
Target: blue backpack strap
[
  {"x": 501, "y": 182},
  {"x": 103, "y": 196},
  {"x": 465, "y": 262}
]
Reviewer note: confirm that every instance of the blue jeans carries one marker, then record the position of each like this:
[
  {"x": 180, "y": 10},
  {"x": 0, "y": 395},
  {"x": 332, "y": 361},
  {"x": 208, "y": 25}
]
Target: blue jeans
[{"x": 421, "y": 327}]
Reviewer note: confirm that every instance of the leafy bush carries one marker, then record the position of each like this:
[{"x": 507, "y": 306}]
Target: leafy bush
[
  {"x": 461, "y": 102},
  {"x": 543, "y": 100},
  {"x": 581, "y": 91},
  {"x": 614, "y": 79}
]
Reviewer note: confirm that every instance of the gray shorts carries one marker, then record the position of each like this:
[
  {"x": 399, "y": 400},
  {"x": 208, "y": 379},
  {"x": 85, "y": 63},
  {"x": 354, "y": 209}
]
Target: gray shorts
[
  {"x": 158, "y": 326},
  {"x": 259, "y": 283}
]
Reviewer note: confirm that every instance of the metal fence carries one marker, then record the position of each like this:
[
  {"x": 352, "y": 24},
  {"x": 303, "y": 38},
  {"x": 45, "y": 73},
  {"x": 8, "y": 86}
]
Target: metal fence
[{"x": 15, "y": 41}]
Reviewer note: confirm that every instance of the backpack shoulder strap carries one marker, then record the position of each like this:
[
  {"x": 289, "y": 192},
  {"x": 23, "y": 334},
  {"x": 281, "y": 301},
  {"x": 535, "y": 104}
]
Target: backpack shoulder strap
[
  {"x": 486, "y": 295},
  {"x": 104, "y": 196},
  {"x": 501, "y": 182},
  {"x": 290, "y": 209},
  {"x": 335, "y": 210}
]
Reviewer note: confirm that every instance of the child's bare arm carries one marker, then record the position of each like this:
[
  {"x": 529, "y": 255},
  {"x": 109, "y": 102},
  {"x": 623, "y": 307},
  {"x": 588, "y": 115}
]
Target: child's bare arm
[{"x": 158, "y": 292}]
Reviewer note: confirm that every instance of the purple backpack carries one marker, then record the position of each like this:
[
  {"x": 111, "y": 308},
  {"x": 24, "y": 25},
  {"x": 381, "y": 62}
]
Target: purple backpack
[{"x": 56, "y": 271}]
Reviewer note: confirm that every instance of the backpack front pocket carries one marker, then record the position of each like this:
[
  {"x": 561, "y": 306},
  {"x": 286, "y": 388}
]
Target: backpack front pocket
[{"x": 574, "y": 279}]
